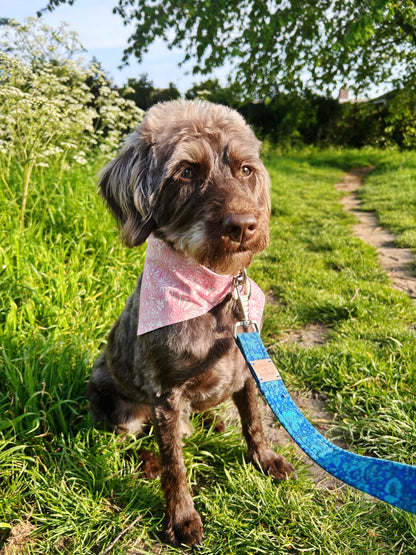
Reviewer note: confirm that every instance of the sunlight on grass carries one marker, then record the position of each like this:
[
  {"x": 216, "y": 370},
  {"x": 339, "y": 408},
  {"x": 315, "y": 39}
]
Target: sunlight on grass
[{"x": 65, "y": 280}]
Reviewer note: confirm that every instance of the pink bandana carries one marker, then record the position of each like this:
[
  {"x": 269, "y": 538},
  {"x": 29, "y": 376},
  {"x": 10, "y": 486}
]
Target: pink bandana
[{"x": 175, "y": 288}]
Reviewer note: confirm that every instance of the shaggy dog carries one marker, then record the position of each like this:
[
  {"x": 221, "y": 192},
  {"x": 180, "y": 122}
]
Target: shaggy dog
[{"x": 190, "y": 175}]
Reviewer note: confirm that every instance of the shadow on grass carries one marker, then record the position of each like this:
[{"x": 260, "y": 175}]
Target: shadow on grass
[{"x": 44, "y": 386}]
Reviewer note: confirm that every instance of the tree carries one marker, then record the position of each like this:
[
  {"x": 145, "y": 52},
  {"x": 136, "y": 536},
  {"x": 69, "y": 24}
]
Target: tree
[
  {"x": 163, "y": 95},
  {"x": 142, "y": 92},
  {"x": 139, "y": 91},
  {"x": 211, "y": 89},
  {"x": 292, "y": 42}
]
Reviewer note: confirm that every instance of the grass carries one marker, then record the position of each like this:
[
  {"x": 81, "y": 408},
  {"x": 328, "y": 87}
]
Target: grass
[{"x": 64, "y": 281}]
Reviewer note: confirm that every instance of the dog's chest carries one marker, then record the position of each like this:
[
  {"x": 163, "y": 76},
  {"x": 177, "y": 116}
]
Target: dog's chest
[
  {"x": 217, "y": 383},
  {"x": 199, "y": 357}
]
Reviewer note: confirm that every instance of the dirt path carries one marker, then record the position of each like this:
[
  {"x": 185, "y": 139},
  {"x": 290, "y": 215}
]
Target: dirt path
[
  {"x": 399, "y": 266},
  {"x": 397, "y": 262}
]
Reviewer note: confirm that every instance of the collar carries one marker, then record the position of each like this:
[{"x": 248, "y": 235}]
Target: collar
[{"x": 175, "y": 288}]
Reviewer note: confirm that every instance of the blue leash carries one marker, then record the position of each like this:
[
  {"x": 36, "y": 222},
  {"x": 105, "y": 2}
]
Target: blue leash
[{"x": 387, "y": 480}]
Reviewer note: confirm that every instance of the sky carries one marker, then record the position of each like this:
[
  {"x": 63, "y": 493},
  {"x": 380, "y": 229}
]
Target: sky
[{"x": 104, "y": 36}]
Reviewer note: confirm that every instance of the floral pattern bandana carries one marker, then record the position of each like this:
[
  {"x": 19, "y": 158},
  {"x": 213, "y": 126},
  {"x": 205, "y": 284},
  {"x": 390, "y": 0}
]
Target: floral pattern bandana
[{"x": 175, "y": 288}]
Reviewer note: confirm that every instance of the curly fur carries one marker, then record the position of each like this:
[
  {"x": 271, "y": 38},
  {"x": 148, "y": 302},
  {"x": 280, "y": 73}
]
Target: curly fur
[{"x": 190, "y": 173}]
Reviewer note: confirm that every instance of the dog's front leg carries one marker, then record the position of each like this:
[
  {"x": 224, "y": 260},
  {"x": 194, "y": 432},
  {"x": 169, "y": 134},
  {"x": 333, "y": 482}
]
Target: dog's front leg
[
  {"x": 260, "y": 454},
  {"x": 183, "y": 524}
]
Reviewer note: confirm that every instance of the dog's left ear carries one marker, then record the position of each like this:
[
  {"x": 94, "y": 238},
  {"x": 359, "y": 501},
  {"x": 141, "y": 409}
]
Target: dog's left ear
[{"x": 125, "y": 184}]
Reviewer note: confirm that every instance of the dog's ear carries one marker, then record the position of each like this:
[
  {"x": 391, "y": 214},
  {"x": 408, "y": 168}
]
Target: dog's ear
[{"x": 125, "y": 184}]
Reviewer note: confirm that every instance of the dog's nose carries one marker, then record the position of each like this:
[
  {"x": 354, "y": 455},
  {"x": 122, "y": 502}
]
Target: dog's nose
[{"x": 239, "y": 227}]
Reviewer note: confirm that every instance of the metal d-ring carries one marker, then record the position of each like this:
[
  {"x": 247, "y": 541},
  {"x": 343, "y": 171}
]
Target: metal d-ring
[{"x": 241, "y": 290}]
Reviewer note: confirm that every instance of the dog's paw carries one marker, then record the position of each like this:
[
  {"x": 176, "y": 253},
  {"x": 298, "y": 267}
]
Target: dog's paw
[
  {"x": 188, "y": 530},
  {"x": 149, "y": 463},
  {"x": 275, "y": 465}
]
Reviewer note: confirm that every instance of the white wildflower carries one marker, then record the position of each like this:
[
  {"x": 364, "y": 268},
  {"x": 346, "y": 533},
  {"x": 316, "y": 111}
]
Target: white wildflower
[{"x": 53, "y": 108}]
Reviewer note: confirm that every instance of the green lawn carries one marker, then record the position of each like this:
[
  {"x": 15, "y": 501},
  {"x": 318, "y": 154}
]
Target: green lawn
[{"x": 64, "y": 281}]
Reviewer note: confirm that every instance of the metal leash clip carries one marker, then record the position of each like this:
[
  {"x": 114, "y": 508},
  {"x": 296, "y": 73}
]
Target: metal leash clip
[{"x": 241, "y": 290}]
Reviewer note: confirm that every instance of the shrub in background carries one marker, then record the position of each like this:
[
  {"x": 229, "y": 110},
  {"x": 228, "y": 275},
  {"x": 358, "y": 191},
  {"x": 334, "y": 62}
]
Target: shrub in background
[
  {"x": 401, "y": 116},
  {"x": 49, "y": 115},
  {"x": 304, "y": 117}
]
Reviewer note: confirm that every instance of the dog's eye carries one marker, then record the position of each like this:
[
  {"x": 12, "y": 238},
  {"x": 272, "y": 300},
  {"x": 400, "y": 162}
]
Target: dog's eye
[
  {"x": 245, "y": 171},
  {"x": 186, "y": 174}
]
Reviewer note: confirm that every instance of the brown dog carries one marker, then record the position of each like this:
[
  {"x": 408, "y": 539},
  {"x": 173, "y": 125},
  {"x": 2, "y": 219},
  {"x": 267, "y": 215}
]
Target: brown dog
[{"x": 190, "y": 174}]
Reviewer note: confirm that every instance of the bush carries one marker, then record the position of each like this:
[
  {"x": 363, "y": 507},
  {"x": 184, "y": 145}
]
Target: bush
[
  {"x": 48, "y": 113},
  {"x": 401, "y": 117},
  {"x": 306, "y": 118}
]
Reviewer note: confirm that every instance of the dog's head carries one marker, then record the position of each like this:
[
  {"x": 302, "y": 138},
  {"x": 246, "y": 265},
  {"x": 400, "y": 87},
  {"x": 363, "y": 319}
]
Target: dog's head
[{"x": 191, "y": 174}]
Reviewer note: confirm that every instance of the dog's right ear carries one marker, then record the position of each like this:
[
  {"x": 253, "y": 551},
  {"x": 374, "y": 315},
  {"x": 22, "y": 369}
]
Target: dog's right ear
[{"x": 126, "y": 187}]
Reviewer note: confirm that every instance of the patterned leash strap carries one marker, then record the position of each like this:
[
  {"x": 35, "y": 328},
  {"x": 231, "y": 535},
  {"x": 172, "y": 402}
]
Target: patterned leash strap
[{"x": 389, "y": 481}]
